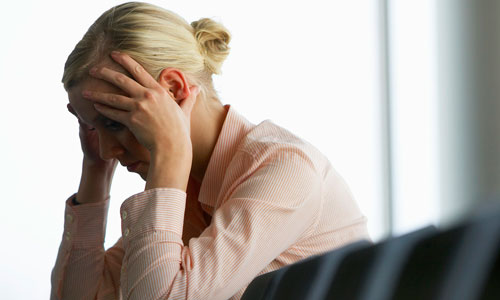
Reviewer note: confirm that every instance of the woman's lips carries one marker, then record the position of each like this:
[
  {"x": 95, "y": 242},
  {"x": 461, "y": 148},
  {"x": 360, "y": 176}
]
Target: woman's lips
[{"x": 133, "y": 167}]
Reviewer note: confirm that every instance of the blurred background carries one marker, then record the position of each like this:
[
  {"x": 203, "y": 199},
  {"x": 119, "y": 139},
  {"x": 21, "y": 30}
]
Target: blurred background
[{"x": 401, "y": 96}]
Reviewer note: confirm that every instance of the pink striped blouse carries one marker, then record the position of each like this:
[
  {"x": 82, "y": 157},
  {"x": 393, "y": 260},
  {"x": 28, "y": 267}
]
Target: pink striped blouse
[{"x": 267, "y": 199}]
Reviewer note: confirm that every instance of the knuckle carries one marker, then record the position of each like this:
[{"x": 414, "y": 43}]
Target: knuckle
[
  {"x": 149, "y": 95},
  {"x": 139, "y": 69},
  {"x": 113, "y": 99},
  {"x": 134, "y": 120},
  {"x": 140, "y": 106},
  {"x": 120, "y": 78},
  {"x": 162, "y": 92}
]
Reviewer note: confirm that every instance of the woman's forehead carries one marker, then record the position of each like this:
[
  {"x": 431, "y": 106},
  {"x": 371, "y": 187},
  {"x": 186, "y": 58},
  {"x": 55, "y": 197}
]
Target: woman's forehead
[{"x": 84, "y": 107}]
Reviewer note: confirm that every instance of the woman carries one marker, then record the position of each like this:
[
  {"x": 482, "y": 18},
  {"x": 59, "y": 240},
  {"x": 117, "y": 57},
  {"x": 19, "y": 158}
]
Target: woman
[{"x": 225, "y": 200}]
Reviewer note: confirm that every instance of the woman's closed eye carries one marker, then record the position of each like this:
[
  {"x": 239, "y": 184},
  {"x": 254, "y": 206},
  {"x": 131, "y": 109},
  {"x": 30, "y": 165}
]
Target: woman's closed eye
[{"x": 112, "y": 125}]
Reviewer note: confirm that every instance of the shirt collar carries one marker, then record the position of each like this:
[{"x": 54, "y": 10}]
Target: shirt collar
[{"x": 234, "y": 129}]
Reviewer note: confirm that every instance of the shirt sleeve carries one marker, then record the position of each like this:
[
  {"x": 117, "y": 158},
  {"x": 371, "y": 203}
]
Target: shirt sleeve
[
  {"x": 83, "y": 269},
  {"x": 261, "y": 216}
]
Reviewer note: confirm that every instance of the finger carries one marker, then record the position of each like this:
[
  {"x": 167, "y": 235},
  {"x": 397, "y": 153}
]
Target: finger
[
  {"x": 188, "y": 103},
  {"x": 112, "y": 100},
  {"x": 82, "y": 124},
  {"x": 120, "y": 80},
  {"x": 119, "y": 116},
  {"x": 71, "y": 110},
  {"x": 85, "y": 126},
  {"x": 134, "y": 68}
]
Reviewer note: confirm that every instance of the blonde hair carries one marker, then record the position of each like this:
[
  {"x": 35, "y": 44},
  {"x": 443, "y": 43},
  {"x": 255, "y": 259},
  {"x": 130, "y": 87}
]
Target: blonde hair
[{"x": 156, "y": 38}]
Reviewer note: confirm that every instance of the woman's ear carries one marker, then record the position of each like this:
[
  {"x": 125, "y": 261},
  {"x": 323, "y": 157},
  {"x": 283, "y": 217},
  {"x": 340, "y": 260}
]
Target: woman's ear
[{"x": 175, "y": 83}]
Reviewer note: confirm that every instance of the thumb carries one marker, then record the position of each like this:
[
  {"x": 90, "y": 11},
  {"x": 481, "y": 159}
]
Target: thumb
[{"x": 188, "y": 103}]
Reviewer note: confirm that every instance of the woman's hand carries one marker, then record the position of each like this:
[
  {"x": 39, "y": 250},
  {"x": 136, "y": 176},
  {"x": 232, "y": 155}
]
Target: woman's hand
[
  {"x": 97, "y": 174},
  {"x": 157, "y": 121},
  {"x": 149, "y": 111},
  {"x": 90, "y": 144}
]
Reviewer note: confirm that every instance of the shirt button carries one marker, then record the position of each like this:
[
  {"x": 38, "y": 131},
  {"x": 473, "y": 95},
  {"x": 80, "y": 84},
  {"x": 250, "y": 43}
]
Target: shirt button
[
  {"x": 68, "y": 235},
  {"x": 124, "y": 214},
  {"x": 69, "y": 218},
  {"x": 127, "y": 231}
]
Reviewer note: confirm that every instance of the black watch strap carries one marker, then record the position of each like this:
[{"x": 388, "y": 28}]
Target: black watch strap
[{"x": 74, "y": 201}]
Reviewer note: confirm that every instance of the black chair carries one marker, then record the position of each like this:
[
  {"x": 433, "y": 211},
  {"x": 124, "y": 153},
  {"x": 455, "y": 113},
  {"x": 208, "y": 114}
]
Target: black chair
[
  {"x": 425, "y": 269},
  {"x": 389, "y": 263},
  {"x": 459, "y": 263},
  {"x": 301, "y": 280},
  {"x": 473, "y": 266},
  {"x": 312, "y": 279}
]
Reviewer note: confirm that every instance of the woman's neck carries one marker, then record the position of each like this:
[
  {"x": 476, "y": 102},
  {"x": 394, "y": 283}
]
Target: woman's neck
[{"x": 207, "y": 119}]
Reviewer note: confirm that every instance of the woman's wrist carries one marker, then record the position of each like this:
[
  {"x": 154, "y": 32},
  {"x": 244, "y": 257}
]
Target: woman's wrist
[
  {"x": 168, "y": 169},
  {"x": 95, "y": 183}
]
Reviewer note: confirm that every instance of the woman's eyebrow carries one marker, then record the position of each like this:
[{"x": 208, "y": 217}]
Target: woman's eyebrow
[{"x": 99, "y": 118}]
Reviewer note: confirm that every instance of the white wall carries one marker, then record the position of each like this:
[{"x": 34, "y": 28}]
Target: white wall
[{"x": 316, "y": 59}]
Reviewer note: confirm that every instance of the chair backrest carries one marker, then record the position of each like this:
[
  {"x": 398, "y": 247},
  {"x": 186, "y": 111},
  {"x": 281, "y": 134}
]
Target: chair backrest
[
  {"x": 425, "y": 269},
  {"x": 388, "y": 266},
  {"x": 462, "y": 262},
  {"x": 299, "y": 280},
  {"x": 474, "y": 263},
  {"x": 264, "y": 286},
  {"x": 313, "y": 278}
]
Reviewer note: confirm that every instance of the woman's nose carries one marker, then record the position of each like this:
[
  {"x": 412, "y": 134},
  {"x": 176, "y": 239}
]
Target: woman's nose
[{"x": 109, "y": 147}]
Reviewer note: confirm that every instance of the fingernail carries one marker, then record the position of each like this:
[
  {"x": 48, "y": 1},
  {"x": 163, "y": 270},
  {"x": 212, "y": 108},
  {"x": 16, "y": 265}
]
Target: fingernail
[
  {"x": 93, "y": 71},
  {"x": 115, "y": 53}
]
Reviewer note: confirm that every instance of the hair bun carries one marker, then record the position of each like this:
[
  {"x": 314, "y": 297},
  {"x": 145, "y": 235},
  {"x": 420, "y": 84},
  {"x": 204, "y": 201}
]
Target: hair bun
[{"x": 213, "y": 39}]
